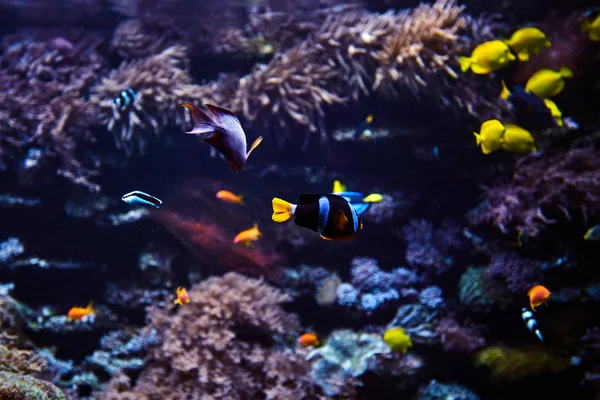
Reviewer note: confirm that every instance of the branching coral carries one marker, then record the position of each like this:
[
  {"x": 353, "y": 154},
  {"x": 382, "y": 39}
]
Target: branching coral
[
  {"x": 227, "y": 343},
  {"x": 45, "y": 120},
  {"x": 544, "y": 189},
  {"x": 156, "y": 81},
  {"x": 355, "y": 53},
  {"x": 518, "y": 273},
  {"x": 15, "y": 360}
]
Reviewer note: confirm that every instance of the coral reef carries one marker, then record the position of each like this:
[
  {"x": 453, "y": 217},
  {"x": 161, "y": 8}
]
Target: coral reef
[
  {"x": 227, "y": 343},
  {"x": 20, "y": 387},
  {"x": 46, "y": 120},
  {"x": 508, "y": 364},
  {"x": 544, "y": 188}
]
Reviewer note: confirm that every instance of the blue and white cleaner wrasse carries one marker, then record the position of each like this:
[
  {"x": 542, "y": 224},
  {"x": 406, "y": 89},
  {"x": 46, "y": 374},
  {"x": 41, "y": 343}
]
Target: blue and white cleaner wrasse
[
  {"x": 531, "y": 323},
  {"x": 221, "y": 129},
  {"x": 137, "y": 197},
  {"x": 125, "y": 98},
  {"x": 331, "y": 216}
]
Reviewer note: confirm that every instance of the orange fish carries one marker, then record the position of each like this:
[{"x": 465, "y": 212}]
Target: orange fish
[
  {"x": 538, "y": 295},
  {"x": 229, "y": 197},
  {"x": 248, "y": 236},
  {"x": 77, "y": 313},
  {"x": 308, "y": 339},
  {"x": 182, "y": 296}
]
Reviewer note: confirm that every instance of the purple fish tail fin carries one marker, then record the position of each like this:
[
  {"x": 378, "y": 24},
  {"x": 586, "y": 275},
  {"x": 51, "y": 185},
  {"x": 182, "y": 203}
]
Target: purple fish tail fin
[{"x": 203, "y": 122}]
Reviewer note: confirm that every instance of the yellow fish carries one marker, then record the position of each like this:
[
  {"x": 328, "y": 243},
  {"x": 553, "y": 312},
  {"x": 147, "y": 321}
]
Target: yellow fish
[
  {"x": 517, "y": 139},
  {"x": 593, "y": 233},
  {"x": 397, "y": 339},
  {"x": 547, "y": 83},
  {"x": 338, "y": 187},
  {"x": 487, "y": 57},
  {"x": 526, "y": 42},
  {"x": 490, "y": 136},
  {"x": 248, "y": 236},
  {"x": 229, "y": 197},
  {"x": 592, "y": 28},
  {"x": 556, "y": 113},
  {"x": 373, "y": 198}
]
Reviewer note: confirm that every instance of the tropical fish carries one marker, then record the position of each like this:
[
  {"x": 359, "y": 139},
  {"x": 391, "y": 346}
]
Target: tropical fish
[
  {"x": 125, "y": 98},
  {"x": 229, "y": 197},
  {"x": 547, "y": 83},
  {"x": 182, "y": 296},
  {"x": 397, "y": 339},
  {"x": 538, "y": 295},
  {"x": 331, "y": 216},
  {"x": 248, "y": 236},
  {"x": 359, "y": 201},
  {"x": 309, "y": 339},
  {"x": 490, "y": 136},
  {"x": 530, "y": 322},
  {"x": 592, "y": 28},
  {"x": 530, "y": 109},
  {"x": 527, "y": 41},
  {"x": 222, "y": 130},
  {"x": 363, "y": 129},
  {"x": 593, "y": 233},
  {"x": 555, "y": 111},
  {"x": 517, "y": 139},
  {"x": 78, "y": 313},
  {"x": 487, "y": 57},
  {"x": 138, "y": 197}
]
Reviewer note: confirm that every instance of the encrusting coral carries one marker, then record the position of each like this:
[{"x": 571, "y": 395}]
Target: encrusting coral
[{"x": 227, "y": 343}]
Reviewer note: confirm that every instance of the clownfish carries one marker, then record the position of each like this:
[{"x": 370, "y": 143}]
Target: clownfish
[
  {"x": 309, "y": 339},
  {"x": 221, "y": 129},
  {"x": 331, "y": 216},
  {"x": 229, "y": 197},
  {"x": 182, "y": 296},
  {"x": 538, "y": 295},
  {"x": 530, "y": 322},
  {"x": 78, "y": 313},
  {"x": 248, "y": 236}
]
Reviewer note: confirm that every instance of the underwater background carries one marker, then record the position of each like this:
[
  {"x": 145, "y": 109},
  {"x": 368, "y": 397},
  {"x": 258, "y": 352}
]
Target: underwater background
[{"x": 454, "y": 143}]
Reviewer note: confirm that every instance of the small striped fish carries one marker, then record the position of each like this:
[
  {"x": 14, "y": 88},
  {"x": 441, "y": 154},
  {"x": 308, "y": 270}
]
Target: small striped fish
[
  {"x": 531, "y": 323},
  {"x": 137, "y": 197}
]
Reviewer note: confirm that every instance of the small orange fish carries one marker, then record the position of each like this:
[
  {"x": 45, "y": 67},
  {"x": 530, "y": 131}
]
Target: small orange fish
[
  {"x": 248, "y": 236},
  {"x": 77, "y": 313},
  {"x": 538, "y": 295},
  {"x": 229, "y": 197},
  {"x": 182, "y": 296},
  {"x": 308, "y": 339}
]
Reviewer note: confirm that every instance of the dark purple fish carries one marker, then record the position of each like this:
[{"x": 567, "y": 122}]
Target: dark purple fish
[{"x": 222, "y": 130}]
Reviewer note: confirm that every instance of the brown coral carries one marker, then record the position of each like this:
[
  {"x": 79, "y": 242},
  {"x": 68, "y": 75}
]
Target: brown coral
[{"x": 226, "y": 344}]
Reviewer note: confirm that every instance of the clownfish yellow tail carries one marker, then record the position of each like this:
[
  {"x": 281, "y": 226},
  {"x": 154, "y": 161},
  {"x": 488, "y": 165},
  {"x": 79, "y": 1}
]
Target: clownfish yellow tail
[{"x": 282, "y": 210}]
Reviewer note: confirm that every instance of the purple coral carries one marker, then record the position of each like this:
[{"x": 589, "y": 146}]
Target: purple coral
[
  {"x": 518, "y": 273},
  {"x": 460, "y": 338},
  {"x": 431, "y": 297}
]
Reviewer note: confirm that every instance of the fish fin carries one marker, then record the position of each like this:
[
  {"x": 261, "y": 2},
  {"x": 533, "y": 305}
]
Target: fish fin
[
  {"x": 479, "y": 70},
  {"x": 89, "y": 307},
  {"x": 204, "y": 124},
  {"x": 477, "y": 138},
  {"x": 326, "y": 238},
  {"x": 282, "y": 210},
  {"x": 485, "y": 149},
  {"x": 565, "y": 72},
  {"x": 523, "y": 56},
  {"x": 465, "y": 63},
  {"x": 594, "y": 37},
  {"x": 241, "y": 201},
  {"x": 585, "y": 25},
  {"x": 338, "y": 187},
  {"x": 505, "y": 93},
  {"x": 220, "y": 111},
  {"x": 339, "y": 220},
  {"x": 361, "y": 207},
  {"x": 254, "y": 145}
]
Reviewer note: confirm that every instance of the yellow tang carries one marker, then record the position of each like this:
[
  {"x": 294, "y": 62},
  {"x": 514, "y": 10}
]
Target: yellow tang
[
  {"x": 397, "y": 339},
  {"x": 554, "y": 110},
  {"x": 490, "y": 136},
  {"x": 517, "y": 140},
  {"x": 547, "y": 83},
  {"x": 592, "y": 28},
  {"x": 527, "y": 41},
  {"x": 487, "y": 57}
]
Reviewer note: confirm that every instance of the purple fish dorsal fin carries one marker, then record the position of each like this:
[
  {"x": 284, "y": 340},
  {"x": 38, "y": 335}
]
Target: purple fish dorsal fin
[
  {"x": 203, "y": 123},
  {"x": 219, "y": 112}
]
